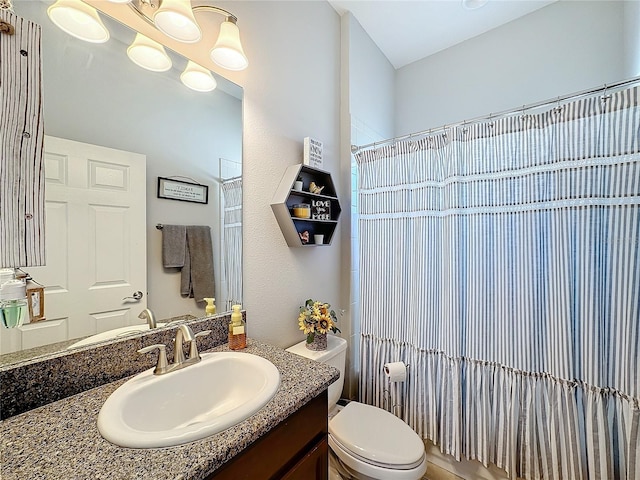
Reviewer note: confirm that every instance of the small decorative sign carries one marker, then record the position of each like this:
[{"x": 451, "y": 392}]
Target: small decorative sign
[
  {"x": 35, "y": 300},
  {"x": 321, "y": 209},
  {"x": 184, "y": 191},
  {"x": 312, "y": 152}
]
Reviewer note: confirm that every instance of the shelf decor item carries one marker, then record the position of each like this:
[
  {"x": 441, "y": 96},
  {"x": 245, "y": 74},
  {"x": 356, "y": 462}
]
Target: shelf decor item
[
  {"x": 321, "y": 209},
  {"x": 316, "y": 319},
  {"x": 313, "y": 188},
  {"x": 312, "y": 153}
]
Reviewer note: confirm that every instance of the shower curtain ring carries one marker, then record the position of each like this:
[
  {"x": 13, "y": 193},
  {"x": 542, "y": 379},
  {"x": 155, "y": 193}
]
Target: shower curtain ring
[{"x": 524, "y": 115}]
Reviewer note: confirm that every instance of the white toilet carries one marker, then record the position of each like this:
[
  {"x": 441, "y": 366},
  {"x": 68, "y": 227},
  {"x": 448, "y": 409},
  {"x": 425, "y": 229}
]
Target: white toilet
[{"x": 369, "y": 443}]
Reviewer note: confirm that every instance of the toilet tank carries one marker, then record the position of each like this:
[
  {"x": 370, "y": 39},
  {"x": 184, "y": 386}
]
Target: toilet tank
[{"x": 335, "y": 355}]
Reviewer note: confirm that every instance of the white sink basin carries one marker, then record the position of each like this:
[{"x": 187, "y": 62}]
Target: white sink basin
[
  {"x": 113, "y": 334},
  {"x": 154, "y": 411}
]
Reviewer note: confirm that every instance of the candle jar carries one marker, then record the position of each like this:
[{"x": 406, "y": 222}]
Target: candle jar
[{"x": 302, "y": 210}]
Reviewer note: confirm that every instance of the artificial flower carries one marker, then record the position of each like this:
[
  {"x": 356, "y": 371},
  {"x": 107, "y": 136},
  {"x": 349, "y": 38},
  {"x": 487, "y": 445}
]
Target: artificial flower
[{"x": 317, "y": 317}]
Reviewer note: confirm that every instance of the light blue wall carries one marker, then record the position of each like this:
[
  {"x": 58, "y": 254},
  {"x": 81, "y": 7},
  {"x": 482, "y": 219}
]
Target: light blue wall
[
  {"x": 556, "y": 50},
  {"x": 632, "y": 38},
  {"x": 367, "y": 115},
  {"x": 371, "y": 83}
]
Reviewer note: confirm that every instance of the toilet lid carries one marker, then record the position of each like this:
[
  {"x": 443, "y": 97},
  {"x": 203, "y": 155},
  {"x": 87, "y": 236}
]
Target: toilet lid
[{"x": 376, "y": 435}]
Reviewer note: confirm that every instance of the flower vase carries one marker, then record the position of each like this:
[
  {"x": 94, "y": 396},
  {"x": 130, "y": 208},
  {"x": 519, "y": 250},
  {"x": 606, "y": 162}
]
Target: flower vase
[{"x": 319, "y": 342}]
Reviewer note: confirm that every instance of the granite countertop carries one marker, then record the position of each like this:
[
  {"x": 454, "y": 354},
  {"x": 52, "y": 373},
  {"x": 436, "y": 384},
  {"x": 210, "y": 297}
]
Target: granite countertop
[{"x": 61, "y": 440}]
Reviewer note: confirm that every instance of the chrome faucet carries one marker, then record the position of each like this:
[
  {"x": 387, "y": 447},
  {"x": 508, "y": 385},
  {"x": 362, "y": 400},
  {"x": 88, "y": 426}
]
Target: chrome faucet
[
  {"x": 183, "y": 334},
  {"x": 147, "y": 315}
]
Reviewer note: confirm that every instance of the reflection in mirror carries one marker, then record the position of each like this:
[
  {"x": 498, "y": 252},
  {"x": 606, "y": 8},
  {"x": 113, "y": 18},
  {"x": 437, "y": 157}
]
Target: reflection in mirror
[{"x": 112, "y": 128}]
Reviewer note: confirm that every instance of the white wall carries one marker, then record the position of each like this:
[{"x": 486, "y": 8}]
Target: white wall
[
  {"x": 371, "y": 80},
  {"x": 291, "y": 90},
  {"x": 632, "y": 38},
  {"x": 367, "y": 115},
  {"x": 562, "y": 48}
]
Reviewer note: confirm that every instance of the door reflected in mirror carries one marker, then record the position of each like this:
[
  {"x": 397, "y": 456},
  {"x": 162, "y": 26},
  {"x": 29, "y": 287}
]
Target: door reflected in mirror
[{"x": 95, "y": 96}]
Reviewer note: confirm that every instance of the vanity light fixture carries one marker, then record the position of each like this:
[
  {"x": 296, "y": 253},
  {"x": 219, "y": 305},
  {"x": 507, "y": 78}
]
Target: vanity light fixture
[
  {"x": 78, "y": 20},
  {"x": 149, "y": 54},
  {"x": 198, "y": 78},
  {"x": 176, "y": 19}
]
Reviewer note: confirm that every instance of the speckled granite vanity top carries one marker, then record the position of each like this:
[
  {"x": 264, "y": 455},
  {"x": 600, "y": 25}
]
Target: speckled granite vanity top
[{"x": 61, "y": 440}]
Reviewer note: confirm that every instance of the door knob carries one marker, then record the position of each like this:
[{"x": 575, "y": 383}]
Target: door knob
[{"x": 136, "y": 296}]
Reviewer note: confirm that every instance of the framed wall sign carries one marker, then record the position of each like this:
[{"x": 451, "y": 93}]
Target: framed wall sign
[
  {"x": 312, "y": 153},
  {"x": 183, "y": 191},
  {"x": 35, "y": 300}
]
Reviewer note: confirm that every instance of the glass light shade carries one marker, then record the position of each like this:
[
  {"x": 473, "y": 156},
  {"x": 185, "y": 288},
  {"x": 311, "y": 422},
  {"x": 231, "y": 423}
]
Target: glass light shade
[
  {"x": 175, "y": 19},
  {"x": 227, "y": 52},
  {"x": 78, "y": 20},
  {"x": 149, "y": 54},
  {"x": 198, "y": 78},
  {"x": 474, "y": 4}
]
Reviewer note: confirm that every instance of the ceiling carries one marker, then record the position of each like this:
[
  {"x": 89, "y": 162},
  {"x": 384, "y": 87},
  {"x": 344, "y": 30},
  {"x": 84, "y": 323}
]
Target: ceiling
[{"x": 409, "y": 30}]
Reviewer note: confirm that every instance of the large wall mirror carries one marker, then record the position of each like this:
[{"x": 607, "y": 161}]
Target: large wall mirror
[{"x": 98, "y": 105}]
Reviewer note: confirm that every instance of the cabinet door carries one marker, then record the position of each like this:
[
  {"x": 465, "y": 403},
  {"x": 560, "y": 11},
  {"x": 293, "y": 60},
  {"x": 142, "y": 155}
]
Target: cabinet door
[
  {"x": 314, "y": 465},
  {"x": 21, "y": 141}
]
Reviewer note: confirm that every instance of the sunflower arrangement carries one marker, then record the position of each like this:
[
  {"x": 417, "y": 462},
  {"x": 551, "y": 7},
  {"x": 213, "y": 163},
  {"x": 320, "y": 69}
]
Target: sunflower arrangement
[{"x": 317, "y": 317}]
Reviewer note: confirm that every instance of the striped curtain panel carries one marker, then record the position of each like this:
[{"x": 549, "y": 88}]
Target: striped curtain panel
[
  {"x": 501, "y": 260},
  {"x": 232, "y": 193}
]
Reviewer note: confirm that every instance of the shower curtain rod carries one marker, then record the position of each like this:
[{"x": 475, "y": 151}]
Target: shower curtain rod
[{"x": 607, "y": 86}]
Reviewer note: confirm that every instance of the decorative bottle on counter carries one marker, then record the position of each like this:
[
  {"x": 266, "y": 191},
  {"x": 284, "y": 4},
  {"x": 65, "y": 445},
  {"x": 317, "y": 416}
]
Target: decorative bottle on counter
[
  {"x": 13, "y": 303},
  {"x": 210, "y": 309},
  {"x": 237, "y": 334}
]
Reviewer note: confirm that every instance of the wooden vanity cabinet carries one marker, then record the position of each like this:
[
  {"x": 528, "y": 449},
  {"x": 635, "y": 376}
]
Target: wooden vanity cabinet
[{"x": 296, "y": 449}]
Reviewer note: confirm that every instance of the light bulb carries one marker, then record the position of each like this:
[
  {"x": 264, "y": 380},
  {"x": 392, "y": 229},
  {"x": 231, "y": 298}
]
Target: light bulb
[
  {"x": 198, "y": 78},
  {"x": 149, "y": 54},
  {"x": 78, "y": 20},
  {"x": 227, "y": 52},
  {"x": 175, "y": 19}
]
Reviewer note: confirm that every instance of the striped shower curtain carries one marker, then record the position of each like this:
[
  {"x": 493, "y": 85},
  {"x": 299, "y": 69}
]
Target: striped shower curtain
[
  {"x": 232, "y": 240},
  {"x": 501, "y": 260}
]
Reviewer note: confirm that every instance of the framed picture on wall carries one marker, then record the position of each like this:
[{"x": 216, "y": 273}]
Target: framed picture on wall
[
  {"x": 35, "y": 301},
  {"x": 183, "y": 191}
]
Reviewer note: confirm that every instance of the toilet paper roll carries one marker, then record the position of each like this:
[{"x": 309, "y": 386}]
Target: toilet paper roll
[{"x": 395, "y": 371}]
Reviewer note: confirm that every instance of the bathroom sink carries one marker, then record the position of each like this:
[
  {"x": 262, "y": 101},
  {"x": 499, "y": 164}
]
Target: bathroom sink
[
  {"x": 113, "y": 334},
  {"x": 154, "y": 411}
]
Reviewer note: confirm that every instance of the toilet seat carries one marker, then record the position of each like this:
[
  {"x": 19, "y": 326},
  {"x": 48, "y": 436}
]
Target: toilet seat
[
  {"x": 376, "y": 437},
  {"x": 361, "y": 469}
]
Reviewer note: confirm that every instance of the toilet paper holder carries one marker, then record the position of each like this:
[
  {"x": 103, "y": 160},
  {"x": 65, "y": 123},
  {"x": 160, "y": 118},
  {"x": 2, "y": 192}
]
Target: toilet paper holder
[
  {"x": 394, "y": 376},
  {"x": 396, "y": 371}
]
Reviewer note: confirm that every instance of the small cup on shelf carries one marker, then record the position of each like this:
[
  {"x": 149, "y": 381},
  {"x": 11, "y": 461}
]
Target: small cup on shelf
[{"x": 318, "y": 239}]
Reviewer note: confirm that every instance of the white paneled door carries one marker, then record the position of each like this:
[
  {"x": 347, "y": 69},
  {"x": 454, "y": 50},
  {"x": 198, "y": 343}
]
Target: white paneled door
[{"x": 95, "y": 244}]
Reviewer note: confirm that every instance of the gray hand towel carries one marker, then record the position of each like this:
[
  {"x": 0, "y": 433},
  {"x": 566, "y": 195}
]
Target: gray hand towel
[
  {"x": 197, "y": 274},
  {"x": 174, "y": 245}
]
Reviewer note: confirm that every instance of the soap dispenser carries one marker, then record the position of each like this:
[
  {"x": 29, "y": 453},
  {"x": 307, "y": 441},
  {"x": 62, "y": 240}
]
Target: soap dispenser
[
  {"x": 210, "y": 309},
  {"x": 237, "y": 334}
]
